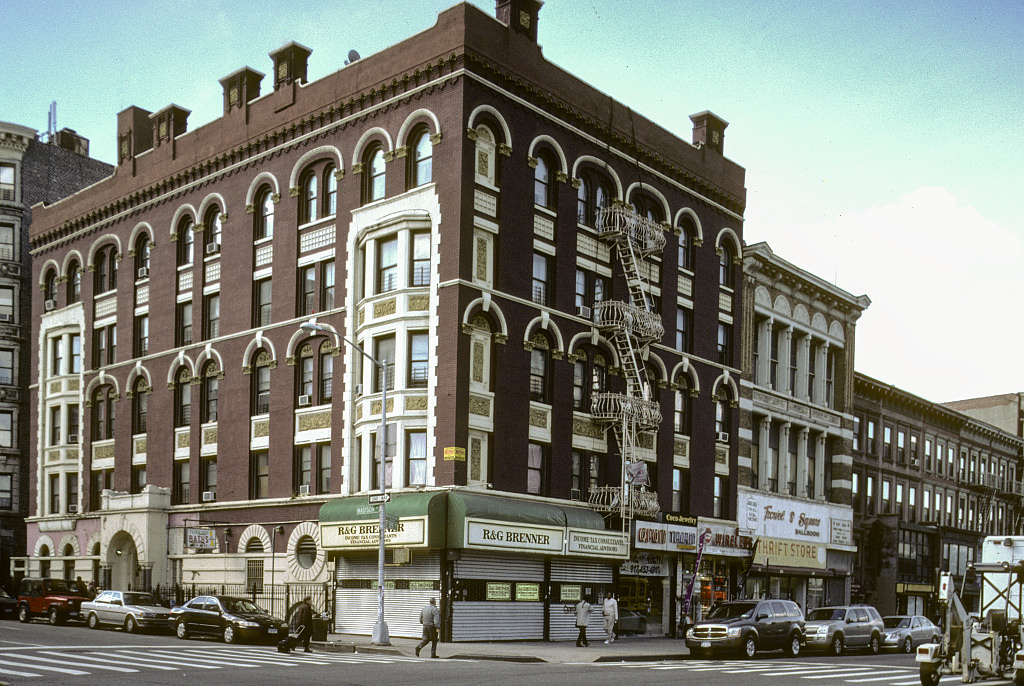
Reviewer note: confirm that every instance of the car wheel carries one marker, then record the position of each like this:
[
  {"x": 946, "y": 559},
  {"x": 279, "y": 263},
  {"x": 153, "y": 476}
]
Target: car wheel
[
  {"x": 794, "y": 645},
  {"x": 1018, "y": 678},
  {"x": 93, "y": 622},
  {"x": 181, "y": 629},
  {"x": 875, "y": 645},
  {"x": 229, "y": 634},
  {"x": 837, "y": 645},
  {"x": 130, "y": 626},
  {"x": 23, "y": 614},
  {"x": 750, "y": 646},
  {"x": 53, "y": 616},
  {"x": 930, "y": 674},
  {"x": 908, "y": 645}
]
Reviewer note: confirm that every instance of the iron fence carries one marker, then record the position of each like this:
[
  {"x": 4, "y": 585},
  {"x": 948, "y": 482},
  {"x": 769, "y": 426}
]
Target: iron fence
[{"x": 278, "y": 600}]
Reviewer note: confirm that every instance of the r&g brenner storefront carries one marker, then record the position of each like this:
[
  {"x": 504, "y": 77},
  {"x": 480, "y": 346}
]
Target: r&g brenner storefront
[{"x": 503, "y": 567}]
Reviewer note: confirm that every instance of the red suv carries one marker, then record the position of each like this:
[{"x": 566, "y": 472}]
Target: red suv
[{"x": 56, "y": 599}]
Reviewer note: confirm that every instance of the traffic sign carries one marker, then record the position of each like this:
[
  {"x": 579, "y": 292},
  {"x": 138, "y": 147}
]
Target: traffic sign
[{"x": 380, "y": 498}]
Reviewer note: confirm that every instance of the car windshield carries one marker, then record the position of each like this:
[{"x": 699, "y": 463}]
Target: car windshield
[
  {"x": 139, "y": 599},
  {"x": 732, "y": 611},
  {"x": 57, "y": 586},
  {"x": 826, "y": 614},
  {"x": 241, "y": 605},
  {"x": 897, "y": 622}
]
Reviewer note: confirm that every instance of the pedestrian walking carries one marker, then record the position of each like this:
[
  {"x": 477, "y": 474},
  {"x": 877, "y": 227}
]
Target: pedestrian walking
[
  {"x": 302, "y": 622},
  {"x": 582, "y": 620},
  {"x": 430, "y": 618},
  {"x": 611, "y": 616}
]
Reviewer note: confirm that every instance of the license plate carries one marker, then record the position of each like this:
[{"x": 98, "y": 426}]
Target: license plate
[
  {"x": 271, "y": 631},
  {"x": 705, "y": 644}
]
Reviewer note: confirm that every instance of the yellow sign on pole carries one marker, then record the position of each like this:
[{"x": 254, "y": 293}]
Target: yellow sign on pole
[{"x": 458, "y": 454}]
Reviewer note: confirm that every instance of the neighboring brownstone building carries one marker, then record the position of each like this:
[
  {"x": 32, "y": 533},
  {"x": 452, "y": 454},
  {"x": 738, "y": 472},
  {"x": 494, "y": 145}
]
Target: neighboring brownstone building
[
  {"x": 31, "y": 172},
  {"x": 550, "y": 282}
]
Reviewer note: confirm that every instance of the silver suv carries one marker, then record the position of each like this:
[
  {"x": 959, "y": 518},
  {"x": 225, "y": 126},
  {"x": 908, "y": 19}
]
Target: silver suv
[{"x": 836, "y": 628}]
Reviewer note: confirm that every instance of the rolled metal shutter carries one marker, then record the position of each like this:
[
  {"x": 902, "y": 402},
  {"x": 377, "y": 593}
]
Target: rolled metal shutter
[
  {"x": 562, "y": 623},
  {"x": 498, "y": 621},
  {"x": 356, "y": 608}
]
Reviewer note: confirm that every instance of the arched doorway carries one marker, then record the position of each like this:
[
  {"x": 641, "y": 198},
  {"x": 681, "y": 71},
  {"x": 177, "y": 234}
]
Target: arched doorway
[{"x": 123, "y": 560}]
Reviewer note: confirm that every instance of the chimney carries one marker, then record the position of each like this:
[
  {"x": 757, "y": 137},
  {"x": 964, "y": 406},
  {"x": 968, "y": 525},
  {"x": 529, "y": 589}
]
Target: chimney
[
  {"x": 134, "y": 133},
  {"x": 70, "y": 140},
  {"x": 240, "y": 88},
  {"x": 290, "y": 63},
  {"x": 519, "y": 15},
  {"x": 709, "y": 130},
  {"x": 168, "y": 124}
]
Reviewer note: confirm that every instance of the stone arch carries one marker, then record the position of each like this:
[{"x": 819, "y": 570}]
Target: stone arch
[
  {"x": 258, "y": 343},
  {"x": 602, "y": 166},
  {"x": 102, "y": 241},
  {"x": 727, "y": 234},
  {"x": 684, "y": 368},
  {"x": 692, "y": 216},
  {"x": 209, "y": 353},
  {"x": 369, "y": 135},
  {"x": 727, "y": 381},
  {"x": 658, "y": 364},
  {"x": 257, "y": 182},
  {"x": 72, "y": 540},
  {"x": 315, "y": 153},
  {"x": 251, "y": 532},
  {"x": 497, "y": 117},
  {"x": 801, "y": 314},
  {"x": 302, "y": 334},
  {"x": 594, "y": 338},
  {"x": 762, "y": 296},
  {"x": 544, "y": 323},
  {"x": 72, "y": 256},
  {"x": 129, "y": 530},
  {"x": 487, "y": 305},
  {"x": 297, "y": 571},
  {"x": 650, "y": 191},
  {"x": 102, "y": 379},
  {"x": 819, "y": 323},
  {"x": 213, "y": 199},
  {"x": 419, "y": 116},
  {"x": 836, "y": 331},
  {"x": 135, "y": 372},
  {"x": 141, "y": 228},
  {"x": 182, "y": 360},
  {"x": 41, "y": 542},
  {"x": 781, "y": 305},
  {"x": 48, "y": 266},
  {"x": 563, "y": 164},
  {"x": 179, "y": 214}
]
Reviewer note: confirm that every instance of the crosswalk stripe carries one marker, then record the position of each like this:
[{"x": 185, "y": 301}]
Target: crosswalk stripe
[
  {"x": 162, "y": 660},
  {"x": 121, "y": 660},
  {"x": 73, "y": 672},
  {"x": 201, "y": 658},
  {"x": 15, "y": 673},
  {"x": 70, "y": 659}
]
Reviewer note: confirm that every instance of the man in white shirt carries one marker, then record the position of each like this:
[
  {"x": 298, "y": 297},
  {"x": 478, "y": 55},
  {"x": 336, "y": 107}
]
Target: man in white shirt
[{"x": 611, "y": 615}]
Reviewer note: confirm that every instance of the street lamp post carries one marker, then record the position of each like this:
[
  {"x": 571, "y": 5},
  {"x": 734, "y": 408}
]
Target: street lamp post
[{"x": 380, "y": 634}]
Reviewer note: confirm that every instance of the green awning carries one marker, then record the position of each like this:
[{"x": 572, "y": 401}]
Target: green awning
[{"x": 357, "y": 508}]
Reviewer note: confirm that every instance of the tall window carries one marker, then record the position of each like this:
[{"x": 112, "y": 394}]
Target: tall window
[
  {"x": 142, "y": 257},
  {"x": 56, "y": 359},
  {"x": 680, "y": 489},
  {"x": 74, "y": 282},
  {"x": 374, "y": 173},
  {"x": 422, "y": 152},
  {"x": 7, "y": 185},
  {"x": 541, "y": 294},
  {"x": 140, "y": 406},
  {"x": 387, "y": 265},
  {"x": 208, "y": 475},
  {"x": 537, "y": 469},
  {"x": 540, "y": 362},
  {"x": 211, "y": 386},
  {"x": 384, "y": 352},
  {"x": 587, "y": 474},
  {"x": 214, "y": 230},
  {"x": 186, "y": 241},
  {"x": 418, "y": 360},
  {"x": 723, "y": 415},
  {"x": 543, "y": 191},
  {"x": 56, "y": 437},
  {"x": 330, "y": 191},
  {"x": 180, "y": 494},
  {"x": 304, "y": 467},
  {"x": 106, "y": 269},
  {"x": 103, "y": 413},
  {"x": 326, "y": 373},
  {"x": 7, "y": 304},
  {"x": 183, "y": 328},
  {"x": 6, "y": 429},
  {"x": 416, "y": 458},
  {"x": 683, "y": 414},
  {"x": 50, "y": 288},
  {"x": 264, "y": 213},
  {"x": 327, "y": 286},
  {"x": 389, "y": 452},
  {"x": 141, "y": 335},
  {"x": 684, "y": 330},
  {"x": 261, "y": 384},
  {"x": 7, "y": 364},
  {"x": 305, "y": 389},
  {"x": 718, "y": 507},
  {"x": 76, "y": 354},
  {"x": 6, "y": 491},
  {"x": 687, "y": 246},
  {"x": 263, "y": 297},
  {"x": 308, "y": 190},
  {"x": 324, "y": 468},
  {"x": 212, "y": 315},
  {"x": 726, "y": 268},
  {"x": 104, "y": 346},
  {"x": 307, "y": 290},
  {"x": 183, "y": 398},
  {"x": 725, "y": 344},
  {"x": 260, "y": 475},
  {"x": 420, "y": 259}
]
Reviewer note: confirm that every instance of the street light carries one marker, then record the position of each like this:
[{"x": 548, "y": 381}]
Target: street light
[
  {"x": 380, "y": 629},
  {"x": 273, "y": 558}
]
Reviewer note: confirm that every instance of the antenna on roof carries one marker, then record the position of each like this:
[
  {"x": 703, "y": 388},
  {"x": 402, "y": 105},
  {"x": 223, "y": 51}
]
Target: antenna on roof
[
  {"x": 352, "y": 57},
  {"x": 51, "y": 122}
]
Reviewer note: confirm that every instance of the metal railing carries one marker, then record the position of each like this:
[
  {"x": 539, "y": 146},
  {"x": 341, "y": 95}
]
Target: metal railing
[{"x": 277, "y": 599}]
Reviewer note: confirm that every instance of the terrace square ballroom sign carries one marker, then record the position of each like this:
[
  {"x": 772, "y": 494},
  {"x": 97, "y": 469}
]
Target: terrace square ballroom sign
[{"x": 795, "y": 520}]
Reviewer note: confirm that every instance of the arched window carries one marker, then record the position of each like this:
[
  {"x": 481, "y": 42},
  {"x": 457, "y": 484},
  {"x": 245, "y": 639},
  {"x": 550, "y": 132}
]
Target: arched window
[
  {"x": 648, "y": 207},
  {"x": 260, "y": 384},
  {"x": 723, "y": 414},
  {"x": 540, "y": 369},
  {"x": 264, "y": 213},
  {"x": 687, "y": 245},
  {"x": 543, "y": 190},
  {"x": 305, "y": 386},
  {"x": 214, "y": 230},
  {"x": 726, "y": 268},
  {"x": 140, "y": 406},
  {"x": 142, "y": 256},
  {"x": 308, "y": 196},
  {"x": 74, "y": 282},
  {"x": 592, "y": 195},
  {"x": 330, "y": 191},
  {"x": 583, "y": 201},
  {"x": 374, "y": 172},
  {"x": 422, "y": 155},
  {"x": 589, "y": 378},
  {"x": 106, "y": 269},
  {"x": 186, "y": 238},
  {"x": 183, "y": 399},
  {"x": 103, "y": 413},
  {"x": 326, "y": 373},
  {"x": 683, "y": 417},
  {"x": 254, "y": 545},
  {"x": 486, "y": 160},
  {"x": 211, "y": 384},
  {"x": 50, "y": 288}
]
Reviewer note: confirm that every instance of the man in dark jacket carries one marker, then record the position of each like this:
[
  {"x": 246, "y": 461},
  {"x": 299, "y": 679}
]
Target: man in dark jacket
[
  {"x": 430, "y": 618},
  {"x": 303, "y": 617}
]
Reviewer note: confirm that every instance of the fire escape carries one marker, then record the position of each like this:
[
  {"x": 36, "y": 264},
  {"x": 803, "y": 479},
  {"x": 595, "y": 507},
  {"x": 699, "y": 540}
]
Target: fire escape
[{"x": 631, "y": 326}]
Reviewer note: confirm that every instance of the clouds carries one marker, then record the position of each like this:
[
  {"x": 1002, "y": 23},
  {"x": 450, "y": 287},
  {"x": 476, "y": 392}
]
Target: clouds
[{"x": 941, "y": 277}]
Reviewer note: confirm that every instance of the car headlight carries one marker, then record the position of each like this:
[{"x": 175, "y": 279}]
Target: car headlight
[
  {"x": 149, "y": 615},
  {"x": 733, "y": 632},
  {"x": 246, "y": 623},
  {"x": 689, "y": 632}
]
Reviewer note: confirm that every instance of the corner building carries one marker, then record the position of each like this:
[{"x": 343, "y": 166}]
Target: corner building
[{"x": 544, "y": 288}]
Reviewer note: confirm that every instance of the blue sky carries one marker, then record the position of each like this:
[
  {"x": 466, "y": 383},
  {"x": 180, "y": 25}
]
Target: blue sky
[{"x": 882, "y": 141}]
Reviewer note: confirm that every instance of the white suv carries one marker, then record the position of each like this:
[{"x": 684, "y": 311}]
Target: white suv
[{"x": 836, "y": 628}]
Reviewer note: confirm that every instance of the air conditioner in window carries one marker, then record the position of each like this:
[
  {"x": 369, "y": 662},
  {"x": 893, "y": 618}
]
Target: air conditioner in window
[
  {"x": 72, "y": 438},
  {"x": 305, "y": 400},
  {"x": 304, "y": 489},
  {"x": 209, "y": 496},
  {"x": 50, "y": 305},
  {"x": 72, "y": 508},
  {"x": 583, "y": 311},
  {"x": 359, "y": 389},
  {"x": 212, "y": 248},
  {"x": 6, "y": 317},
  {"x": 574, "y": 494},
  {"x": 142, "y": 273},
  {"x": 723, "y": 436}
]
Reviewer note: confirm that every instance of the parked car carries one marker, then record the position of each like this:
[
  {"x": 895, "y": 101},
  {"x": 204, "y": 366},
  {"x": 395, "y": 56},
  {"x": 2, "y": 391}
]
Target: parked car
[
  {"x": 841, "y": 627},
  {"x": 747, "y": 626},
  {"x": 129, "y": 609},
  {"x": 8, "y": 605},
  {"x": 57, "y": 599},
  {"x": 233, "y": 619},
  {"x": 906, "y": 632}
]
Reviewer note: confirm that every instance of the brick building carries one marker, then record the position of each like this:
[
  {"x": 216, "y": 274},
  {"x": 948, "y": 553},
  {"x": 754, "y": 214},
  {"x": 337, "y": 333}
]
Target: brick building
[
  {"x": 545, "y": 285},
  {"x": 31, "y": 172}
]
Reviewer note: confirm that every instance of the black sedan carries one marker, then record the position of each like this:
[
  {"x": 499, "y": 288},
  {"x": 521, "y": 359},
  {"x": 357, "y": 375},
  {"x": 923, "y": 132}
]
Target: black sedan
[
  {"x": 8, "y": 605},
  {"x": 233, "y": 619}
]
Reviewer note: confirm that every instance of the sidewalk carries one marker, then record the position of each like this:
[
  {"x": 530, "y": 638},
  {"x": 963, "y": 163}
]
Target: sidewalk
[{"x": 625, "y": 649}]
